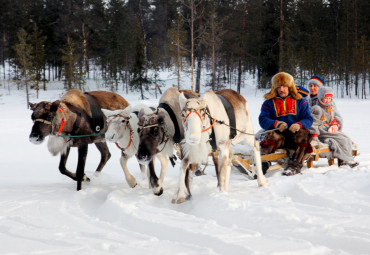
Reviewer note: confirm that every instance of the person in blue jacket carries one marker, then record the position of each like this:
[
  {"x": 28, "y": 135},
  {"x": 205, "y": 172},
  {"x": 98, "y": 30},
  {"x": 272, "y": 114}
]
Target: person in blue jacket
[{"x": 285, "y": 109}]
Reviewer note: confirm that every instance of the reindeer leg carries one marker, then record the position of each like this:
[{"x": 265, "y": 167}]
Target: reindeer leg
[
  {"x": 105, "y": 155},
  {"x": 129, "y": 178},
  {"x": 215, "y": 162},
  {"x": 62, "y": 165},
  {"x": 164, "y": 163},
  {"x": 182, "y": 191},
  {"x": 223, "y": 157},
  {"x": 261, "y": 179},
  {"x": 80, "y": 172},
  {"x": 157, "y": 190},
  {"x": 189, "y": 170}
]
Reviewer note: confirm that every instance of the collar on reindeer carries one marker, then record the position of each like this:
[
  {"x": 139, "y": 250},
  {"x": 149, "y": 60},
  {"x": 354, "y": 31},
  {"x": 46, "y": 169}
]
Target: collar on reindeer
[{"x": 62, "y": 124}]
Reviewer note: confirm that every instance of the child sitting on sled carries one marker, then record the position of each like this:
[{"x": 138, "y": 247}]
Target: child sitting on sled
[{"x": 327, "y": 127}]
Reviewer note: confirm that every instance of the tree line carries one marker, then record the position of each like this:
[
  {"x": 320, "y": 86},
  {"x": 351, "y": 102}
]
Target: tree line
[{"x": 70, "y": 40}]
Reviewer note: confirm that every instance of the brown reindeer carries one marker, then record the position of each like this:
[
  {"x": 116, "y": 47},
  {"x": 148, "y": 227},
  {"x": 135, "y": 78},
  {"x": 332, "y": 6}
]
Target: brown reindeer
[
  {"x": 160, "y": 131},
  {"x": 75, "y": 121}
]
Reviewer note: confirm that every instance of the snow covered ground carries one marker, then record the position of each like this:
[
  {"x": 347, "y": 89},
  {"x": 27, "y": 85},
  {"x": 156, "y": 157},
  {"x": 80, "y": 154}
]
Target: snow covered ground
[{"x": 325, "y": 210}]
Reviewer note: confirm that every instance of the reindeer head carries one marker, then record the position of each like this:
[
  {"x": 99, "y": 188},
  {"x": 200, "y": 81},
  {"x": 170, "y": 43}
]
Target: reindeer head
[
  {"x": 42, "y": 117},
  {"x": 193, "y": 112},
  {"x": 152, "y": 133},
  {"x": 118, "y": 123}
]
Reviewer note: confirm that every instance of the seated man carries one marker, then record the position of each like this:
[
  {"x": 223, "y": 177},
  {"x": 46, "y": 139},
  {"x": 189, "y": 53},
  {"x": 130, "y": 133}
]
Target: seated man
[
  {"x": 285, "y": 110},
  {"x": 327, "y": 127}
]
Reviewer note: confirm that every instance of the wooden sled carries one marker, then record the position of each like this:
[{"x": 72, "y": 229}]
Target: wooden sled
[{"x": 320, "y": 150}]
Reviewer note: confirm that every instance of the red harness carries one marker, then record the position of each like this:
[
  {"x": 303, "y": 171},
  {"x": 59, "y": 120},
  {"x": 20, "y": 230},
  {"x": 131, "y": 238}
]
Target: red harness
[
  {"x": 197, "y": 113},
  {"x": 129, "y": 143},
  {"x": 62, "y": 124},
  {"x": 131, "y": 132}
]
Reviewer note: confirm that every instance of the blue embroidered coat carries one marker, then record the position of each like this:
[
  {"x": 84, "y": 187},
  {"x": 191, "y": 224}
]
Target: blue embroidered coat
[{"x": 286, "y": 109}]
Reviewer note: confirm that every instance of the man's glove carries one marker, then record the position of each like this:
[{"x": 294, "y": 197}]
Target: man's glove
[
  {"x": 295, "y": 128},
  {"x": 281, "y": 125},
  {"x": 333, "y": 129}
]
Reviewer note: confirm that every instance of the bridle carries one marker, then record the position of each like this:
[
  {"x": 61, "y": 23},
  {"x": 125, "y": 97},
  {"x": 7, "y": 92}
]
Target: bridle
[
  {"x": 192, "y": 110},
  {"x": 52, "y": 121},
  {"x": 127, "y": 125},
  {"x": 165, "y": 136},
  {"x": 63, "y": 122}
]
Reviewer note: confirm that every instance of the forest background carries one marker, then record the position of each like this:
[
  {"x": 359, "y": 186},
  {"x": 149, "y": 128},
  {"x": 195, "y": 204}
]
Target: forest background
[{"x": 126, "y": 44}]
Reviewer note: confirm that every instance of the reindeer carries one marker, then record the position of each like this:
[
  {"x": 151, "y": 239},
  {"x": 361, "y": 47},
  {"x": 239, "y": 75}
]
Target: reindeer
[
  {"x": 122, "y": 130},
  {"x": 75, "y": 121},
  {"x": 162, "y": 129},
  {"x": 221, "y": 119}
]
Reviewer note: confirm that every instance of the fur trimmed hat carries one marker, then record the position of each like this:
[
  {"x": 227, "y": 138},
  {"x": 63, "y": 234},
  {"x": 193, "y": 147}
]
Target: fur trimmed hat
[
  {"x": 282, "y": 79},
  {"x": 318, "y": 80},
  {"x": 325, "y": 92}
]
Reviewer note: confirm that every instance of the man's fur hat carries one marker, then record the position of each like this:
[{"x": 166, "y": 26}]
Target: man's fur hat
[{"x": 282, "y": 79}]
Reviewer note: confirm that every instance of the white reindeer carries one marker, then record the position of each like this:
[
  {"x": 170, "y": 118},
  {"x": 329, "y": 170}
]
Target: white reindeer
[
  {"x": 122, "y": 130},
  {"x": 199, "y": 116}
]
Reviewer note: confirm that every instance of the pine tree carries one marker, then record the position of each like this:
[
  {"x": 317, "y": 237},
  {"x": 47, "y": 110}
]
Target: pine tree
[
  {"x": 177, "y": 49},
  {"x": 38, "y": 55},
  {"x": 24, "y": 59},
  {"x": 138, "y": 68},
  {"x": 74, "y": 77}
]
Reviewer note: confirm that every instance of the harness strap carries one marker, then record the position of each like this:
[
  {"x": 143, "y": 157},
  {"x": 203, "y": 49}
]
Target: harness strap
[
  {"x": 62, "y": 124},
  {"x": 43, "y": 121},
  {"x": 97, "y": 116},
  {"x": 129, "y": 143},
  {"x": 177, "y": 136},
  {"x": 230, "y": 113},
  {"x": 211, "y": 126},
  {"x": 193, "y": 111}
]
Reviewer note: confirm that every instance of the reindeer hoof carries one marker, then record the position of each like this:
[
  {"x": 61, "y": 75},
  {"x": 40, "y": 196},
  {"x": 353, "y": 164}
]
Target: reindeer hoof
[
  {"x": 86, "y": 179},
  {"x": 159, "y": 193},
  {"x": 180, "y": 200},
  {"x": 133, "y": 186},
  {"x": 199, "y": 173}
]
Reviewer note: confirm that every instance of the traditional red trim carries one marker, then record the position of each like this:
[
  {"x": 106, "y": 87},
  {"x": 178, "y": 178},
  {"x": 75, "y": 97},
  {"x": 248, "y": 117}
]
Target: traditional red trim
[{"x": 283, "y": 107}]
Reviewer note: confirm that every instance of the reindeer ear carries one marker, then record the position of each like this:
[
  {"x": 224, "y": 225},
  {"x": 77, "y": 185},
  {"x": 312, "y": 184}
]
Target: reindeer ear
[
  {"x": 161, "y": 117},
  {"x": 54, "y": 106},
  {"x": 107, "y": 112},
  {"x": 141, "y": 115},
  {"x": 182, "y": 100},
  {"x": 202, "y": 103},
  {"x": 127, "y": 111},
  {"x": 32, "y": 106}
]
